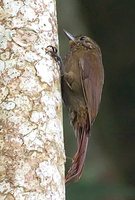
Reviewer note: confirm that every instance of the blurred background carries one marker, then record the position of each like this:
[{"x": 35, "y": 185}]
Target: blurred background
[{"x": 109, "y": 172}]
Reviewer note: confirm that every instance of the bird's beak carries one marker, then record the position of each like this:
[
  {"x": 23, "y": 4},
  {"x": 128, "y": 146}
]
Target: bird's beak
[{"x": 69, "y": 35}]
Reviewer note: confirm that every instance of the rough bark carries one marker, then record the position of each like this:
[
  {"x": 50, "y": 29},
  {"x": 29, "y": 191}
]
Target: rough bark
[{"x": 31, "y": 140}]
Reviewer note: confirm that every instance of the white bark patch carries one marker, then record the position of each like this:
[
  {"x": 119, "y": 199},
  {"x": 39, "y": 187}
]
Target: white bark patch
[
  {"x": 28, "y": 82},
  {"x": 20, "y": 174},
  {"x": 9, "y": 105},
  {"x": 12, "y": 7},
  {"x": 31, "y": 56},
  {"x": 28, "y": 13},
  {"x": 5, "y": 36},
  {"x": 48, "y": 172},
  {"x": 30, "y": 85},
  {"x": 33, "y": 141},
  {"x": 13, "y": 73},
  {"x": 10, "y": 64},
  {"x": 2, "y": 66},
  {"x": 4, "y": 187},
  {"x": 26, "y": 127},
  {"x": 45, "y": 73},
  {"x": 23, "y": 102},
  {"x": 38, "y": 116}
]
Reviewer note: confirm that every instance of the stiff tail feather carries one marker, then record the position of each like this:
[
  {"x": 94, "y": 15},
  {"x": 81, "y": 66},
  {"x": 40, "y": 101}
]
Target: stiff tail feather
[{"x": 75, "y": 171}]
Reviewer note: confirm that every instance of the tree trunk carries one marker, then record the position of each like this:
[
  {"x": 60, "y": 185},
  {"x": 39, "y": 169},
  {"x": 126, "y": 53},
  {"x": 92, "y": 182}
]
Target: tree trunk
[{"x": 31, "y": 141}]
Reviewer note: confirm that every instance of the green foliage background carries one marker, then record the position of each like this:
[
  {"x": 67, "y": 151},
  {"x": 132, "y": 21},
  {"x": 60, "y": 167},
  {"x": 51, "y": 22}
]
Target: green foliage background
[{"x": 109, "y": 172}]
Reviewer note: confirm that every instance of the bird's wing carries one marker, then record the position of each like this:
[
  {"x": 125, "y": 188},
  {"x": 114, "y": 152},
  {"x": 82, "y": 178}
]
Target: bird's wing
[{"x": 92, "y": 78}]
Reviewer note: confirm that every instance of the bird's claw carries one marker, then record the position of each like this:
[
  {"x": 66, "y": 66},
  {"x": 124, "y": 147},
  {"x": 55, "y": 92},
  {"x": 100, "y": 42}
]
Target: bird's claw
[
  {"x": 54, "y": 54},
  {"x": 51, "y": 49}
]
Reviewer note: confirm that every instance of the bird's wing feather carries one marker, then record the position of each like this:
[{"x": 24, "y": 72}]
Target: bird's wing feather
[{"x": 92, "y": 76}]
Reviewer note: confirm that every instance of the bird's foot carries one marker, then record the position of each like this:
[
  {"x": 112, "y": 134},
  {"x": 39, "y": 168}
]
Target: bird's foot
[{"x": 54, "y": 54}]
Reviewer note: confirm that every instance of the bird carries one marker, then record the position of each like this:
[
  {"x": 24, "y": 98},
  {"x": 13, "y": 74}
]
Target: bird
[{"x": 81, "y": 83}]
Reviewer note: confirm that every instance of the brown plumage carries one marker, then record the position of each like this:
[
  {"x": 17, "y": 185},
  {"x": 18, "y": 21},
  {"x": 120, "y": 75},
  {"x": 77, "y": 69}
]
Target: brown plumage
[{"x": 82, "y": 83}]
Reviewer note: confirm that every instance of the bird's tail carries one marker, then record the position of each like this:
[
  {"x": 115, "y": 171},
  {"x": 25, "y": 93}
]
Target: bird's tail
[{"x": 75, "y": 171}]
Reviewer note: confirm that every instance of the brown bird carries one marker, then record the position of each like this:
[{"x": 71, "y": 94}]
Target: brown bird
[{"x": 82, "y": 83}]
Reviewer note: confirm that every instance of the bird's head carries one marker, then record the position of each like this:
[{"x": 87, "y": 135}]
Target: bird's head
[{"x": 80, "y": 41}]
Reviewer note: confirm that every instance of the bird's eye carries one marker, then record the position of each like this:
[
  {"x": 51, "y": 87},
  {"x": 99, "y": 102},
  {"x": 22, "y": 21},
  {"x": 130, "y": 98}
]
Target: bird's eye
[{"x": 82, "y": 38}]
